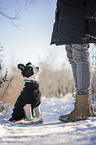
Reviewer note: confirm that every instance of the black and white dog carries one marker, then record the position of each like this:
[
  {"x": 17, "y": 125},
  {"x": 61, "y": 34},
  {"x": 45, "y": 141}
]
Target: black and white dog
[{"x": 28, "y": 102}]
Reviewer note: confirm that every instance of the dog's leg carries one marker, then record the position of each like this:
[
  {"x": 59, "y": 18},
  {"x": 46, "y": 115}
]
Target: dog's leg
[
  {"x": 37, "y": 112},
  {"x": 28, "y": 112}
]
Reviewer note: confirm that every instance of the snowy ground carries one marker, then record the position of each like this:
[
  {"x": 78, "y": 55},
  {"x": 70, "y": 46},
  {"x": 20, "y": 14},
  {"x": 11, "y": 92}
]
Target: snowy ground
[{"x": 52, "y": 131}]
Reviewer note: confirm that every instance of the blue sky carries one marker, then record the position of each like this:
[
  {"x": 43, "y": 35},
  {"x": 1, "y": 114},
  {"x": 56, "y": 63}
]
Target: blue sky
[{"x": 30, "y": 39}]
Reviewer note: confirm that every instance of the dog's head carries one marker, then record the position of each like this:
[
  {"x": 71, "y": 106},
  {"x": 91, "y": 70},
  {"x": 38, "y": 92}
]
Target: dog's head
[{"x": 28, "y": 70}]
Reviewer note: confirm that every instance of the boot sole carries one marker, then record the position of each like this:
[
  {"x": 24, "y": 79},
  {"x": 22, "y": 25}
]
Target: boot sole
[{"x": 66, "y": 121}]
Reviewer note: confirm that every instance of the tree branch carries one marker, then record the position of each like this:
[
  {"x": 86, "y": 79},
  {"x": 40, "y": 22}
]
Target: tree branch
[
  {"x": 16, "y": 16},
  {"x": 9, "y": 17}
]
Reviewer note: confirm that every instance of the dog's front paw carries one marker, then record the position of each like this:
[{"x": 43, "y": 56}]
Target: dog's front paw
[{"x": 37, "y": 120}]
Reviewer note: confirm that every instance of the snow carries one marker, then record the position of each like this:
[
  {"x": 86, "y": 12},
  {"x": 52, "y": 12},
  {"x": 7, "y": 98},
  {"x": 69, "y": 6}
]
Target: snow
[{"x": 51, "y": 131}]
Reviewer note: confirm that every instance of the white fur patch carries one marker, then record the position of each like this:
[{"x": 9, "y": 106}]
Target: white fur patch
[{"x": 28, "y": 112}]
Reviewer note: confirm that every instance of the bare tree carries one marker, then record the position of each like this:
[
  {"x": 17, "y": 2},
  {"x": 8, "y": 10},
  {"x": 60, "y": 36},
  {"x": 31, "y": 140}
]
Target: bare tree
[
  {"x": 2, "y": 78},
  {"x": 55, "y": 83},
  {"x": 1, "y": 49},
  {"x": 16, "y": 14}
]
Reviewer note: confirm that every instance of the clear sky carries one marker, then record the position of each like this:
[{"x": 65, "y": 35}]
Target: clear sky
[{"x": 30, "y": 39}]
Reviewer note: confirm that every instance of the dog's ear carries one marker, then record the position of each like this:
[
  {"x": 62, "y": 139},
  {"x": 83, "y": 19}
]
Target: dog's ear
[
  {"x": 21, "y": 66},
  {"x": 29, "y": 63}
]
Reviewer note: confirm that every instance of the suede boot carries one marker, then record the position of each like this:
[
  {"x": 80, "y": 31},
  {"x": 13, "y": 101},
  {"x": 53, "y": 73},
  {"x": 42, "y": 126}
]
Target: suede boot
[{"x": 83, "y": 109}]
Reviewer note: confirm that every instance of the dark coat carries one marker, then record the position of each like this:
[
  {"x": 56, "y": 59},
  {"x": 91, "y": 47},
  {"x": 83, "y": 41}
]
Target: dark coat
[
  {"x": 29, "y": 95},
  {"x": 74, "y": 19}
]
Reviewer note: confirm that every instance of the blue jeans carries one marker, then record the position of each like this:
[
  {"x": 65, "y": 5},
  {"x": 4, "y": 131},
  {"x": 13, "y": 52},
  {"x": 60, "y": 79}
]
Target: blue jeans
[{"x": 78, "y": 55}]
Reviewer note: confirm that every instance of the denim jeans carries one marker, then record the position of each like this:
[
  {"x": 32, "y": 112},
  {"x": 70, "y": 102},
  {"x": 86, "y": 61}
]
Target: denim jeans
[{"x": 78, "y": 56}]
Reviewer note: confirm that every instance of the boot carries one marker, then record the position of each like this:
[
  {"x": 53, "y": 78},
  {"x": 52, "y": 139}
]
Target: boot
[{"x": 83, "y": 109}]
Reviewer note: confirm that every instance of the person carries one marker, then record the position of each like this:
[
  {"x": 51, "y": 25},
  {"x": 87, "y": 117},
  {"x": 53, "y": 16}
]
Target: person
[{"x": 75, "y": 27}]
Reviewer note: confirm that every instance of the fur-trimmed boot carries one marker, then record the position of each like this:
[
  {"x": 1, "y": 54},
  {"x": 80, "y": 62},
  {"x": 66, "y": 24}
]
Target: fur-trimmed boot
[{"x": 83, "y": 109}]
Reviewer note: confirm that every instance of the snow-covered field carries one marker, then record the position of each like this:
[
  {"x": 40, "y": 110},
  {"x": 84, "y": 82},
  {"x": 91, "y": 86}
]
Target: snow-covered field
[{"x": 52, "y": 131}]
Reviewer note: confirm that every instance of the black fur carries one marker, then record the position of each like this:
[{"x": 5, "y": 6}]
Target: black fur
[
  {"x": 27, "y": 71},
  {"x": 29, "y": 95}
]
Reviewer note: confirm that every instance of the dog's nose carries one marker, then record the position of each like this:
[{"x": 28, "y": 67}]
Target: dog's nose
[{"x": 37, "y": 68}]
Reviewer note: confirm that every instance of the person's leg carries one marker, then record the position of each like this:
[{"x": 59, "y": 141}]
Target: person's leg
[
  {"x": 83, "y": 108},
  {"x": 78, "y": 57},
  {"x": 73, "y": 64},
  {"x": 80, "y": 53}
]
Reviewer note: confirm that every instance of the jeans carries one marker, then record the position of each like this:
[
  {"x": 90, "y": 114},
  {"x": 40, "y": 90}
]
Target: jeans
[{"x": 78, "y": 56}]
